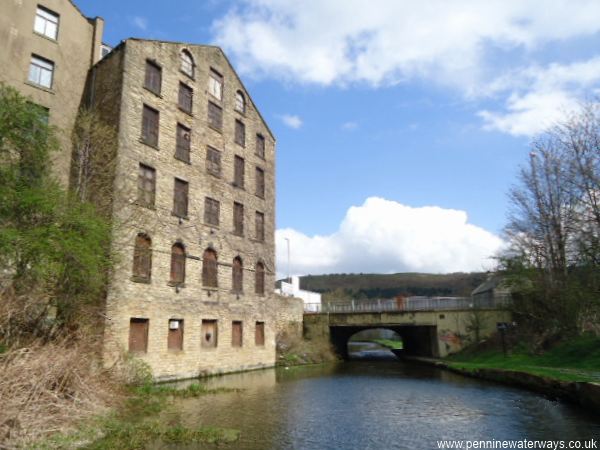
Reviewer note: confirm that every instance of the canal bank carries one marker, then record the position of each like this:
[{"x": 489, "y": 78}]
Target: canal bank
[{"x": 583, "y": 393}]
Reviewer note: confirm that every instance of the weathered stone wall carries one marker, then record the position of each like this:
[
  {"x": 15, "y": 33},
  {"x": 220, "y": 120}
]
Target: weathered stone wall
[
  {"x": 288, "y": 316},
  {"x": 74, "y": 51},
  {"x": 159, "y": 301}
]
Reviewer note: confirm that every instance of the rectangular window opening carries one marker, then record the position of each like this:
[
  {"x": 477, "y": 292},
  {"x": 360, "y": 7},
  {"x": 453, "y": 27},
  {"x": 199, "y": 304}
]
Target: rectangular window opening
[
  {"x": 153, "y": 77},
  {"x": 46, "y": 22},
  {"x": 259, "y": 334},
  {"x": 186, "y": 95},
  {"x": 209, "y": 333},
  {"x": 180, "y": 198},
  {"x": 138, "y": 335},
  {"x": 146, "y": 185},
  {"x": 211, "y": 211},
  {"x": 175, "y": 337},
  {"x": 238, "y": 219},
  {"x": 183, "y": 143},
  {"x": 150, "y": 119},
  {"x": 236, "y": 334},
  {"x": 41, "y": 71}
]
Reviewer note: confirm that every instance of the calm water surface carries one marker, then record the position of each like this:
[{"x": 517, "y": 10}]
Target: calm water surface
[{"x": 380, "y": 403}]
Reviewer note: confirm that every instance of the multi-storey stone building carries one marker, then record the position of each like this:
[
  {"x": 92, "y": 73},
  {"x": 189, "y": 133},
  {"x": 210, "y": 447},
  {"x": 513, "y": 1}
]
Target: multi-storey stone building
[
  {"x": 47, "y": 49},
  {"x": 194, "y": 211},
  {"x": 193, "y": 188}
]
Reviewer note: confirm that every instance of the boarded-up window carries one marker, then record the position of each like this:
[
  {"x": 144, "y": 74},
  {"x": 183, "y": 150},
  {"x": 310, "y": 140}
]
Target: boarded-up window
[
  {"x": 187, "y": 63},
  {"x": 237, "y": 275},
  {"x": 260, "y": 145},
  {"x": 213, "y": 161},
  {"x": 240, "y": 133},
  {"x": 186, "y": 95},
  {"x": 236, "y": 333},
  {"x": 240, "y": 102},
  {"x": 260, "y": 182},
  {"x": 238, "y": 219},
  {"x": 209, "y": 333},
  {"x": 209, "y": 268},
  {"x": 260, "y": 226},
  {"x": 152, "y": 81},
  {"x": 259, "y": 334},
  {"x": 211, "y": 211},
  {"x": 215, "y": 116},
  {"x": 182, "y": 150},
  {"x": 175, "y": 337},
  {"x": 215, "y": 84},
  {"x": 150, "y": 126},
  {"x": 177, "y": 264},
  {"x": 259, "y": 278},
  {"x": 146, "y": 185},
  {"x": 180, "y": 198},
  {"x": 138, "y": 335},
  {"x": 142, "y": 258},
  {"x": 238, "y": 171}
]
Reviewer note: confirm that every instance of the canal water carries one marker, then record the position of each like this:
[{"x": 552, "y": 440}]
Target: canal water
[{"x": 376, "y": 402}]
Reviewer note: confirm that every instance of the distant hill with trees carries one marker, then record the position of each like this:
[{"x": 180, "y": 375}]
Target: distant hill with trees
[{"x": 371, "y": 286}]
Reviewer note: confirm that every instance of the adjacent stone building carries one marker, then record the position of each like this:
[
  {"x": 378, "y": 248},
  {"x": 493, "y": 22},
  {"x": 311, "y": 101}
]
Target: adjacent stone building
[
  {"x": 193, "y": 211},
  {"x": 46, "y": 52},
  {"x": 192, "y": 185}
]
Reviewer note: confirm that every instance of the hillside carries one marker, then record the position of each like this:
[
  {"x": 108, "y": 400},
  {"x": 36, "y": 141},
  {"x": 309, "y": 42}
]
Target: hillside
[{"x": 366, "y": 286}]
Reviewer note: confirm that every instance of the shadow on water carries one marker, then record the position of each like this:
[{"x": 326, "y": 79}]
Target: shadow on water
[{"x": 373, "y": 402}]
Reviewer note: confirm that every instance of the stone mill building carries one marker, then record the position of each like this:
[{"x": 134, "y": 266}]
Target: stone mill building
[{"x": 193, "y": 188}]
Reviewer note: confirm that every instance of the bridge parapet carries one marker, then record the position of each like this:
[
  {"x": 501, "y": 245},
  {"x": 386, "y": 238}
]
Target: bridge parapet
[{"x": 408, "y": 304}]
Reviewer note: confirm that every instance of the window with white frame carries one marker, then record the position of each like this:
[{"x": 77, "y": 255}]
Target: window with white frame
[
  {"x": 46, "y": 23},
  {"x": 187, "y": 63},
  {"x": 215, "y": 84},
  {"x": 41, "y": 71}
]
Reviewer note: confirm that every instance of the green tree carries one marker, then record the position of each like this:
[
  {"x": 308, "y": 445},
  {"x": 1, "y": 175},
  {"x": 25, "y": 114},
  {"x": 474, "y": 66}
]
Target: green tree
[{"x": 53, "y": 247}]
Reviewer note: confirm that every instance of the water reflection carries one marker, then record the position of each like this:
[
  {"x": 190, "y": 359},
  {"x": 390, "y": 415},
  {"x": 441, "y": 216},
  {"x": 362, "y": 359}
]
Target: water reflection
[{"x": 375, "y": 404}]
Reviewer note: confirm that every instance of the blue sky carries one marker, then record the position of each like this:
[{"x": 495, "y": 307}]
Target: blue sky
[{"x": 400, "y": 124}]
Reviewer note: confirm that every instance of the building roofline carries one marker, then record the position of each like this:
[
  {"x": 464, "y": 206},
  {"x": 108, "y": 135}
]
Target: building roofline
[{"x": 228, "y": 62}]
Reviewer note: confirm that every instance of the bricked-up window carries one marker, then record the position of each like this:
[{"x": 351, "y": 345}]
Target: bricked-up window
[
  {"x": 46, "y": 22},
  {"x": 238, "y": 171},
  {"x": 259, "y": 278},
  {"x": 146, "y": 186},
  {"x": 237, "y": 275},
  {"x": 150, "y": 126},
  {"x": 138, "y": 335},
  {"x": 240, "y": 133},
  {"x": 236, "y": 333},
  {"x": 215, "y": 116},
  {"x": 142, "y": 258},
  {"x": 238, "y": 219},
  {"x": 41, "y": 71},
  {"x": 187, "y": 63},
  {"x": 210, "y": 274},
  {"x": 240, "y": 102},
  {"x": 184, "y": 139},
  {"x": 180, "y": 198},
  {"x": 260, "y": 226},
  {"x": 211, "y": 211},
  {"x": 186, "y": 97},
  {"x": 153, "y": 77},
  {"x": 209, "y": 333},
  {"x": 213, "y": 161},
  {"x": 260, "y": 145},
  {"x": 260, "y": 182},
  {"x": 215, "y": 84},
  {"x": 175, "y": 337},
  {"x": 177, "y": 264},
  {"x": 259, "y": 334}
]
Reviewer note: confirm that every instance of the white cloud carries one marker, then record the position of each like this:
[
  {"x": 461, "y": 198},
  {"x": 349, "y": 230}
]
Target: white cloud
[
  {"x": 140, "y": 22},
  {"x": 452, "y": 43},
  {"x": 384, "y": 236},
  {"x": 541, "y": 96},
  {"x": 291, "y": 121},
  {"x": 349, "y": 126}
]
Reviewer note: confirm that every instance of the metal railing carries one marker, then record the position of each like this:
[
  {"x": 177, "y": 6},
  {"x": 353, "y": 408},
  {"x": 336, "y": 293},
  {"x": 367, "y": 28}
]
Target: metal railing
[{"x": 407, "y": 304}]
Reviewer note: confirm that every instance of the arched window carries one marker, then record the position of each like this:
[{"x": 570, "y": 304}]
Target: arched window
[
  {"x": 209, "y": 268},
  {"x": 259, "y": 281},
  {"x": 187, "y": 63},
  {"x": 237, "y": 274},
  {"x": 142, "y": 258},
  {"x": 240, "y": 102},
  {"x": 178, "y": 263}
]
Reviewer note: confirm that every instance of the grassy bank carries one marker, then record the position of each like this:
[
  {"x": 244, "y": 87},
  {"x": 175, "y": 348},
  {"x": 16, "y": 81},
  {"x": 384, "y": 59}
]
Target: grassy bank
[
  {"x": 136, "y": 425},
  {"x": 575, "y": 359},
  {"x": 388, "y": 343},
  {"x": 293, "y": 350}
]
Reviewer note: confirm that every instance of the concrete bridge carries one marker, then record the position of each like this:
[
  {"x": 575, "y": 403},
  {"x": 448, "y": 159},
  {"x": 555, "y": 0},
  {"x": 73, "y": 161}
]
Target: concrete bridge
[{"x": 429, "y": 326}]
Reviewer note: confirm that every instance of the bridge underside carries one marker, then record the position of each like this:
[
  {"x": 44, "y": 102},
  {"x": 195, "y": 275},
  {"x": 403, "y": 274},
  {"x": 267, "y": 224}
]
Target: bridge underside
[{"x": 418, "y": 340}]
